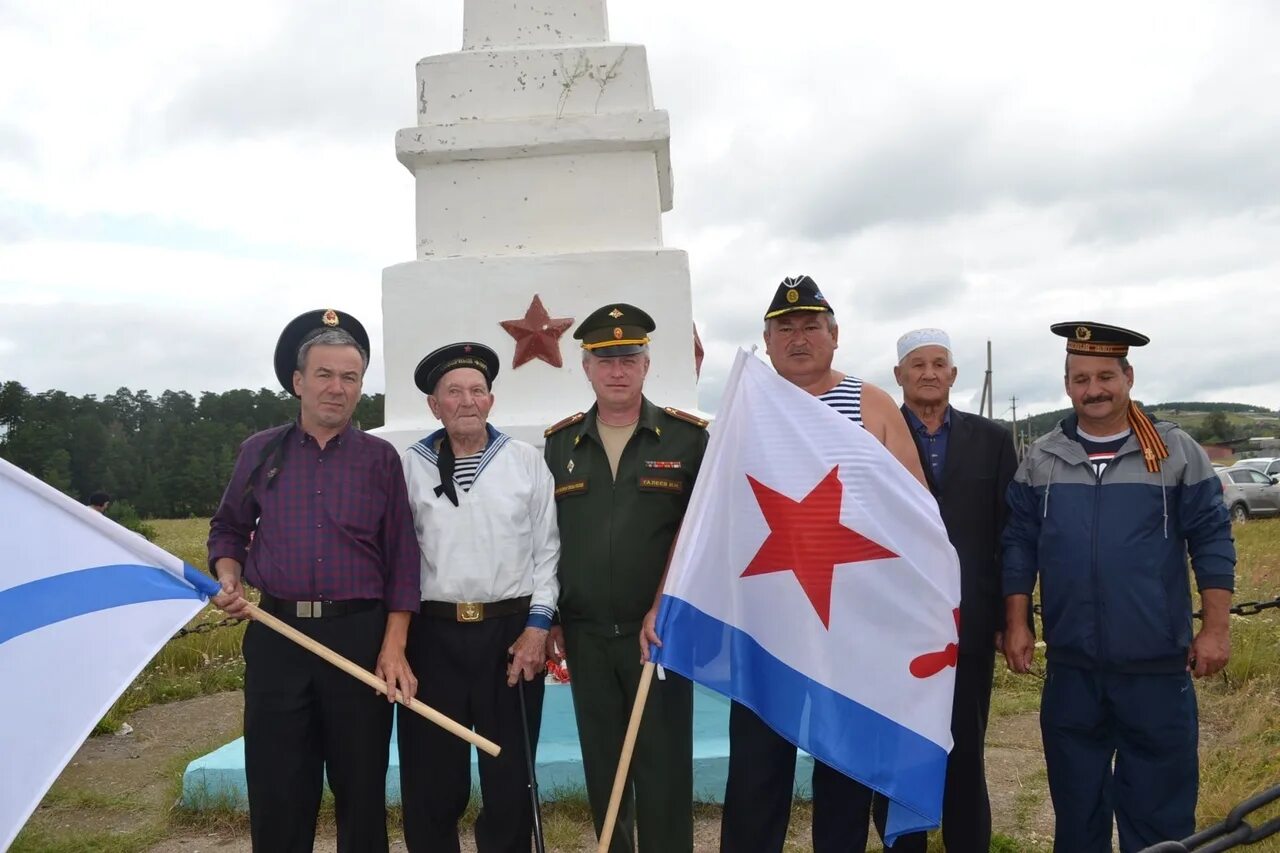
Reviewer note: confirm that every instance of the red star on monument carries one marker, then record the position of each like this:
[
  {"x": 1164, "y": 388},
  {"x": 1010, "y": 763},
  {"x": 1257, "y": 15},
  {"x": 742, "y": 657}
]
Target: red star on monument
[
  {"x": 807, "y": 538},
  {"x": 537, "y": 335}
]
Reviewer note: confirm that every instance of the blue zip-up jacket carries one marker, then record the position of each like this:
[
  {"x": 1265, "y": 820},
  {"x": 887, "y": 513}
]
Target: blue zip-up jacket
[{"x": 1111, "y": 552}]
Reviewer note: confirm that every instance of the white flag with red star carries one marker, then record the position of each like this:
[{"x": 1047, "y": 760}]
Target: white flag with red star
[{"x": 813, "y": 581}]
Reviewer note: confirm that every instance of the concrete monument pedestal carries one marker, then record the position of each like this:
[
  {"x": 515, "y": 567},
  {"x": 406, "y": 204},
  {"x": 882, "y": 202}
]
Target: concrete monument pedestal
[{"x": 542, "y": 170}]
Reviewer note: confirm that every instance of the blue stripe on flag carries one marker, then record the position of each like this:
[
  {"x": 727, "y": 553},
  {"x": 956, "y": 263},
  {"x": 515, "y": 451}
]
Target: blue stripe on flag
[
  {"x": 30, "y": 606},
  {"x": 901, "y": 764}
]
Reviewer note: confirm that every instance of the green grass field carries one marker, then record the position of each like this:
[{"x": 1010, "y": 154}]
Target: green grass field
[{"x": 1240, "y": 711}]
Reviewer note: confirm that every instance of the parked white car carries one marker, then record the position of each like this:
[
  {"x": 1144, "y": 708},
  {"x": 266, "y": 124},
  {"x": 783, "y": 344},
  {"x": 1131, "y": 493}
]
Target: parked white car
[
  {"x": 1248, "y": 493},
  {"x": 1268, "y": 465}
]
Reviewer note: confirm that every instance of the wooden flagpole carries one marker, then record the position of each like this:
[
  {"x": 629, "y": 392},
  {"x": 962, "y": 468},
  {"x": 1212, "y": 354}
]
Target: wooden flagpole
[
  {"x": 624, "y": 760},
  {"x": 370, "y": 679}
]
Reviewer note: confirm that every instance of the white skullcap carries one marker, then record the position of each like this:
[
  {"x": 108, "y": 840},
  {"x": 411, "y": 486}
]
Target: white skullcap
[{"x": 917, "y": 338}]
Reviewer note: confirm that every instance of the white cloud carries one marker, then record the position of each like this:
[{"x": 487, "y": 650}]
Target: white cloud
[{"x": 191, "y": 177}]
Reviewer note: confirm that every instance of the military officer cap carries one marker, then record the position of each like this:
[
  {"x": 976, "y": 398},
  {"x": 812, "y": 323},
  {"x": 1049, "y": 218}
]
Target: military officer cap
[
  {"x": 306, "y": 326},
  {"x": 797, "y": 294},
  {"x": 1088, "y": 338},
  {"x": 616, "y": 329},
  {"x": 434, "y": 366}
]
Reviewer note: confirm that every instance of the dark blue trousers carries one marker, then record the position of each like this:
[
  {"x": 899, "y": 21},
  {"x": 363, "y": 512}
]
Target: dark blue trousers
[{"x": 1124, "y": 745}]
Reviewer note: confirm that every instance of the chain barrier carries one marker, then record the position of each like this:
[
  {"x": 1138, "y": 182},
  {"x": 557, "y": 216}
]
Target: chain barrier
[
  {"x": 1250, "y": 608},
  {"x": 1232, "y": 832},
  {"x": 1244, "y": 608},
  {"x": 207, "y": 627}
]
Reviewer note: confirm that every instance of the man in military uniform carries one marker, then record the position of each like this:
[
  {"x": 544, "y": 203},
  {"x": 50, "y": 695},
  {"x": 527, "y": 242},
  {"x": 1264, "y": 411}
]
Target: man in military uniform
[{"x": 624, "y": 471}]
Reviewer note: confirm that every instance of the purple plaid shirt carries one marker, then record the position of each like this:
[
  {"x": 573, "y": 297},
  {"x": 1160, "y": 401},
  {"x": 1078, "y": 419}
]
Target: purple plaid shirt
[{"x": 334, "y": 525}]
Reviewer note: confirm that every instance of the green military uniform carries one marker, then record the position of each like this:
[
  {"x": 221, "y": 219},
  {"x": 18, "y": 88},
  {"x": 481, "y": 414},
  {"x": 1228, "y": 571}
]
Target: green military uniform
[{"x": 615, "y": 537}]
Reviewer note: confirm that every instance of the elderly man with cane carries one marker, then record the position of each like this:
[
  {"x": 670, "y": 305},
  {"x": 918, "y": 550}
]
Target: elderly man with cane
[{"x": 484, "y": 513}]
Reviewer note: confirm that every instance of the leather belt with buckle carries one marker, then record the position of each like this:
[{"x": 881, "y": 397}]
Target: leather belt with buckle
[
  {"x": 314, "y": 609},
  {"x": 475, "y": 611}
]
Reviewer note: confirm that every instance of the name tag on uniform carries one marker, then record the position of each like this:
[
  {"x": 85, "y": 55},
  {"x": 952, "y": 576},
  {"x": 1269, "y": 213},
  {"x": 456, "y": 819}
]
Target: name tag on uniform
[
  {"x": 672, "y": 485},
  {"x": 574, "y": 487},
  {"x": 666, "y": 465}
]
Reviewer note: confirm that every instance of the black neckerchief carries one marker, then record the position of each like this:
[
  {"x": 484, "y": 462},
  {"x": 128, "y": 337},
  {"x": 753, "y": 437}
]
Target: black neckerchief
[
  {"x": 272, "y": 451},
  {"x": 444, "y": 462}
]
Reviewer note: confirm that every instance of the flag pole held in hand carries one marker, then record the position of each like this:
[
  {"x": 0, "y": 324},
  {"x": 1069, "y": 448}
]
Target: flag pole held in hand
[
  {"x": 449, "y": 725},
  {"x": 624, "y": 761}
]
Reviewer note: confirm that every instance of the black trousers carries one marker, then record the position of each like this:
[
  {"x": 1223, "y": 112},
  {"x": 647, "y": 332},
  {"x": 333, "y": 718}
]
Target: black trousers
[
  {"x": 757, "y": 798},
  {"x": 966, "y": 808},
  {"x": 462, "y": 673},
  {"x": 303, "y": 719}
]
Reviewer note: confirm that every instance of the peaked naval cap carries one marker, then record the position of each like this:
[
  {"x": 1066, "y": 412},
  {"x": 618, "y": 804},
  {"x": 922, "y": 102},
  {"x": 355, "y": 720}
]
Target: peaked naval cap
[
  {"x": 303, "y": 328},
  {"x": 1085, "y": 337}
]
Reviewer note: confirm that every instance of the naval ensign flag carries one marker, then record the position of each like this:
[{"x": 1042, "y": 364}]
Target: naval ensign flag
[
  {"x": 84, "y": 604},
  {"x": 813, "y": 581}
]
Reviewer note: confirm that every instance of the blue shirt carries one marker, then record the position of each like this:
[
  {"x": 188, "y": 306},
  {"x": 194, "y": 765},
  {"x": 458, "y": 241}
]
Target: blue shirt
[{"x": 934, "y": 444}]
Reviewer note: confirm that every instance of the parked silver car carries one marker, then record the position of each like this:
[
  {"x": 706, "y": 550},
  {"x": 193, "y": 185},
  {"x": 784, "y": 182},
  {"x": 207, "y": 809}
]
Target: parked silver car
[
  {"x": 1268, "y": 465},
  {"x": 1248, "y": 493}
]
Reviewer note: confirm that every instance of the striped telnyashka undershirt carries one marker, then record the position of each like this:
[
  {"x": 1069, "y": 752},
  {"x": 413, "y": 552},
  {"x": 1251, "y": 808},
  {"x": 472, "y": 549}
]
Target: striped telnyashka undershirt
[{"x": 846, "y": 398}]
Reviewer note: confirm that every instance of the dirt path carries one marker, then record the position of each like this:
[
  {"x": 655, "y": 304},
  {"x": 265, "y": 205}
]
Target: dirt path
[{"x": 127, "y": 785}]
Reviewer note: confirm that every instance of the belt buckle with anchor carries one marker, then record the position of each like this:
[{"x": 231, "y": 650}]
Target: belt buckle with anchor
[{"x": 470, "y": 611}]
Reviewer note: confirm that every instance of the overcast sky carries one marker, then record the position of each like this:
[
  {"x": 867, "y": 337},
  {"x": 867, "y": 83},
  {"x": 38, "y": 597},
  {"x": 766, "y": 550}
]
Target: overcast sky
[{"x": 177, "y": 180}]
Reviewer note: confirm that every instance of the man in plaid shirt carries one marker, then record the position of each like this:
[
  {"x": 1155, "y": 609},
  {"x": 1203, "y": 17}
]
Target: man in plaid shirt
[{"x": 333, "y": 553}]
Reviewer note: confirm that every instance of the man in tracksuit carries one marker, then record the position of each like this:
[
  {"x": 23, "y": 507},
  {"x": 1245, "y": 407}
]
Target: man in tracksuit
[{"x": 1104, "y": 510}]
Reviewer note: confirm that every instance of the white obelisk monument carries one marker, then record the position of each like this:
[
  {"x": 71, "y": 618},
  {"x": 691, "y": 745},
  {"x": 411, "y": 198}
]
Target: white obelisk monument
[{"x": 542, "y": 172}]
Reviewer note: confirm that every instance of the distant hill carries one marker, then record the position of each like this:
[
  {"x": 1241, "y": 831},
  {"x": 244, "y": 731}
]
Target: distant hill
[
  {"x": 1212, "y": 407},
  {"x": 1205, "y": 421}
]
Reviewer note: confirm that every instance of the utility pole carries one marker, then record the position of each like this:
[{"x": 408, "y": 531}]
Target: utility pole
[
  {"x": 991, "y": 388},
  {"x": 1017, "y": 436},
  {"x": 987, "y": 401}
]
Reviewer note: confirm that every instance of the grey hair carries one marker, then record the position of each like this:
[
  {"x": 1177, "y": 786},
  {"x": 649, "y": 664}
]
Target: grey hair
[
  {"x": 832, "y": 325},
  {"x": 331, "y": 338},
  {"x": 586, "y": 353}
]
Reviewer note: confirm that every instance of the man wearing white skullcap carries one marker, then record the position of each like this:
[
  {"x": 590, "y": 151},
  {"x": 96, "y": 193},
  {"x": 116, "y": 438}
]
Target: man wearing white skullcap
[{"x": 968, "y": 461}]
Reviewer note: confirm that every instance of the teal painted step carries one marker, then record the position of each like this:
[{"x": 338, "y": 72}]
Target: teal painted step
[{"x": 217, "y": 779}]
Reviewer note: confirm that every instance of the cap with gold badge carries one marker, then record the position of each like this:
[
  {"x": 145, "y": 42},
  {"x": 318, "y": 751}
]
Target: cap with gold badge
[
  {"x": 1085, "y": 337},
  {"x": 303, "y": 328},
  {"x": 797, "y": 294},
  {"x": 615, "y": 329}
]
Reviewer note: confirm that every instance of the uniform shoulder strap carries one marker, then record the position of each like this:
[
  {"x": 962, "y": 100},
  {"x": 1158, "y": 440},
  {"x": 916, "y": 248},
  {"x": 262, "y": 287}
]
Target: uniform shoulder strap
[
  {"x": 569, "y": 421},
  {"x": 701, "y": 423}
]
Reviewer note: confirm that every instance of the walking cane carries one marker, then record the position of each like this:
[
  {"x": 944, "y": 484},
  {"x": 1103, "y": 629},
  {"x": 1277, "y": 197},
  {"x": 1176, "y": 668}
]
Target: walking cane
[{"x": 538, "y": 844}]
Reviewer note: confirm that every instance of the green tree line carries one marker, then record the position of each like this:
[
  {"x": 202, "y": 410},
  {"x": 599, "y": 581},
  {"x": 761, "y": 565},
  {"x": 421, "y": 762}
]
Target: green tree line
[{"x": 169, "y": 456}]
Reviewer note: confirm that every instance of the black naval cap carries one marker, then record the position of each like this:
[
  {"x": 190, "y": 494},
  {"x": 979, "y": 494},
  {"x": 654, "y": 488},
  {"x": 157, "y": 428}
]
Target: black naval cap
[
  {"x": 1085, "y": 337},
  {"x": 797, "y": 294},
  {"x": 616, "y": 329},
  {"x": 452, "y": 356},
  {"x": 306, "y": 326}
]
